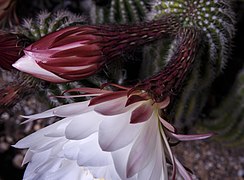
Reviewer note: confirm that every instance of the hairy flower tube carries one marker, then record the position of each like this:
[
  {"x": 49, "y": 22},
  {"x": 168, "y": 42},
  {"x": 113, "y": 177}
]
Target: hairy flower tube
[
  {"x": 77, "y": 52},
  {"x": 10, "y": 49},
  {"x": 112, "y": 136},
  {"x": 168, "y": 81}
]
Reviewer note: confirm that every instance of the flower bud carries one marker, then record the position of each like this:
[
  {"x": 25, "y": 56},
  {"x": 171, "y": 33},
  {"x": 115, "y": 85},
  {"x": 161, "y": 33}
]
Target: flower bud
[{"x": 77, "y": 52}]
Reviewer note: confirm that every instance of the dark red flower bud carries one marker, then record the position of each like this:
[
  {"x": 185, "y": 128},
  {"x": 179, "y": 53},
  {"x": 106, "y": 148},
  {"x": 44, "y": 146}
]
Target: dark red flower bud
[{"x": 78, "y": 52}]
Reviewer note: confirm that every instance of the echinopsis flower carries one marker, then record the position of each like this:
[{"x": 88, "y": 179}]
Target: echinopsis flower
[
  {"x": 111, "y": 136},
  {"x": 77, "y": 52},
  {"x": 10, "y": 49},
  {"x": 115, "y": 135}
]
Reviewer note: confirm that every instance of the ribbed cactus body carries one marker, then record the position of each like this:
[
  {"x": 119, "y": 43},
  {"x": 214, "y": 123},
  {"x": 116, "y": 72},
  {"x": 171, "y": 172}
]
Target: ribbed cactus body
[
  {"x": 214, "y": 17},
  {"x": 119, "y": 11}
]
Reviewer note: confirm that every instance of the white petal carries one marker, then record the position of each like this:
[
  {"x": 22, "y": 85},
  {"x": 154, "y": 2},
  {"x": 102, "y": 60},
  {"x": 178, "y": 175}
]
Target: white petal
[
  {"x": 90, "y": 154},
  {"x": 120, "y": 158},
  {"x": 71, "y": 149},
  {"x": 83, "y": 125},
  {"x": 36, "y": 138},
  {"x": 59, "y": 131},
  {"x": 112, "y": 107},
  {"x": 143, "y": 147},
  {"x": 70, "y": 171},
  {"x": 155, "y": 169},
  {"x": 73, "y": 109},
  {"x": 45, "y": 114},
  {"x": 37, "y": 160},
  {"x": 106, "y": 173},
  {"x": 116, "y": 132},
  {"x": 28, "y": 156},
  {"x": 28, "y": 65}
]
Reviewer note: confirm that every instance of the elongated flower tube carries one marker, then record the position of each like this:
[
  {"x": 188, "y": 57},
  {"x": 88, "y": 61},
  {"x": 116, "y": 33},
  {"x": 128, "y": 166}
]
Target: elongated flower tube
[
  {"x": 110, "y": 137},
  {"x": 77, "y": 52},
  {"x": 10, "y": 49},
  {"x": 168, "y": 81}
]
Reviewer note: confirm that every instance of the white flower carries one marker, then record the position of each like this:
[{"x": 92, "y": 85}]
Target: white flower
[{"x": 109, "y": 137}]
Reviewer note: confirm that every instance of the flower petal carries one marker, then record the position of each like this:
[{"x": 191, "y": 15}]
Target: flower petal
[
  {"x": 167, "y": 125},
  {"x": 164, "y": 103},
  {"x": 69, "y": 170},
  {"x": 156, "y": 169},
  {"x": 142, "y": 113},
  {"x": 182, "y": 170},
  {"x": 143, "y": 148},
  {"x": 116, "y": 132},
  {"x": 134, "y": 98},
  {"x": 90, "y": 154},
  {"x": 107, "y": 97},
  {"x": 35, "y": 139},
  {"x": 28, "y": 65},
  {"x": 83, "y": 125},
  {"x": 120, "y": 158},
  {"x": 192, "y": 137},
  {"x": 86, "y": 90},
  {"x": 72, "y": 109},
  {"x": 45, "y": 114},
  {"x": 114, "y": 107}
]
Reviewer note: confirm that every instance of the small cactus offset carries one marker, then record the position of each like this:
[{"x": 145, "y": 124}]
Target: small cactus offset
[{"x": 46, "y": 22}]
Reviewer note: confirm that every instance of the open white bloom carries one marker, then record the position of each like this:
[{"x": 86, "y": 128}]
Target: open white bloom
[{"x": 108, "y": 137}]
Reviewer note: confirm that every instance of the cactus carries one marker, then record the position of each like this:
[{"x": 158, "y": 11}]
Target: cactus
[{"x": 227, "y": 118}]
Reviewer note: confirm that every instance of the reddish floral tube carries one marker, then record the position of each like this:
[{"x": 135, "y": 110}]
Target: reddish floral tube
[
  {"x": 77, "y": 52},
  {"x": 169, "y": 80}
]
